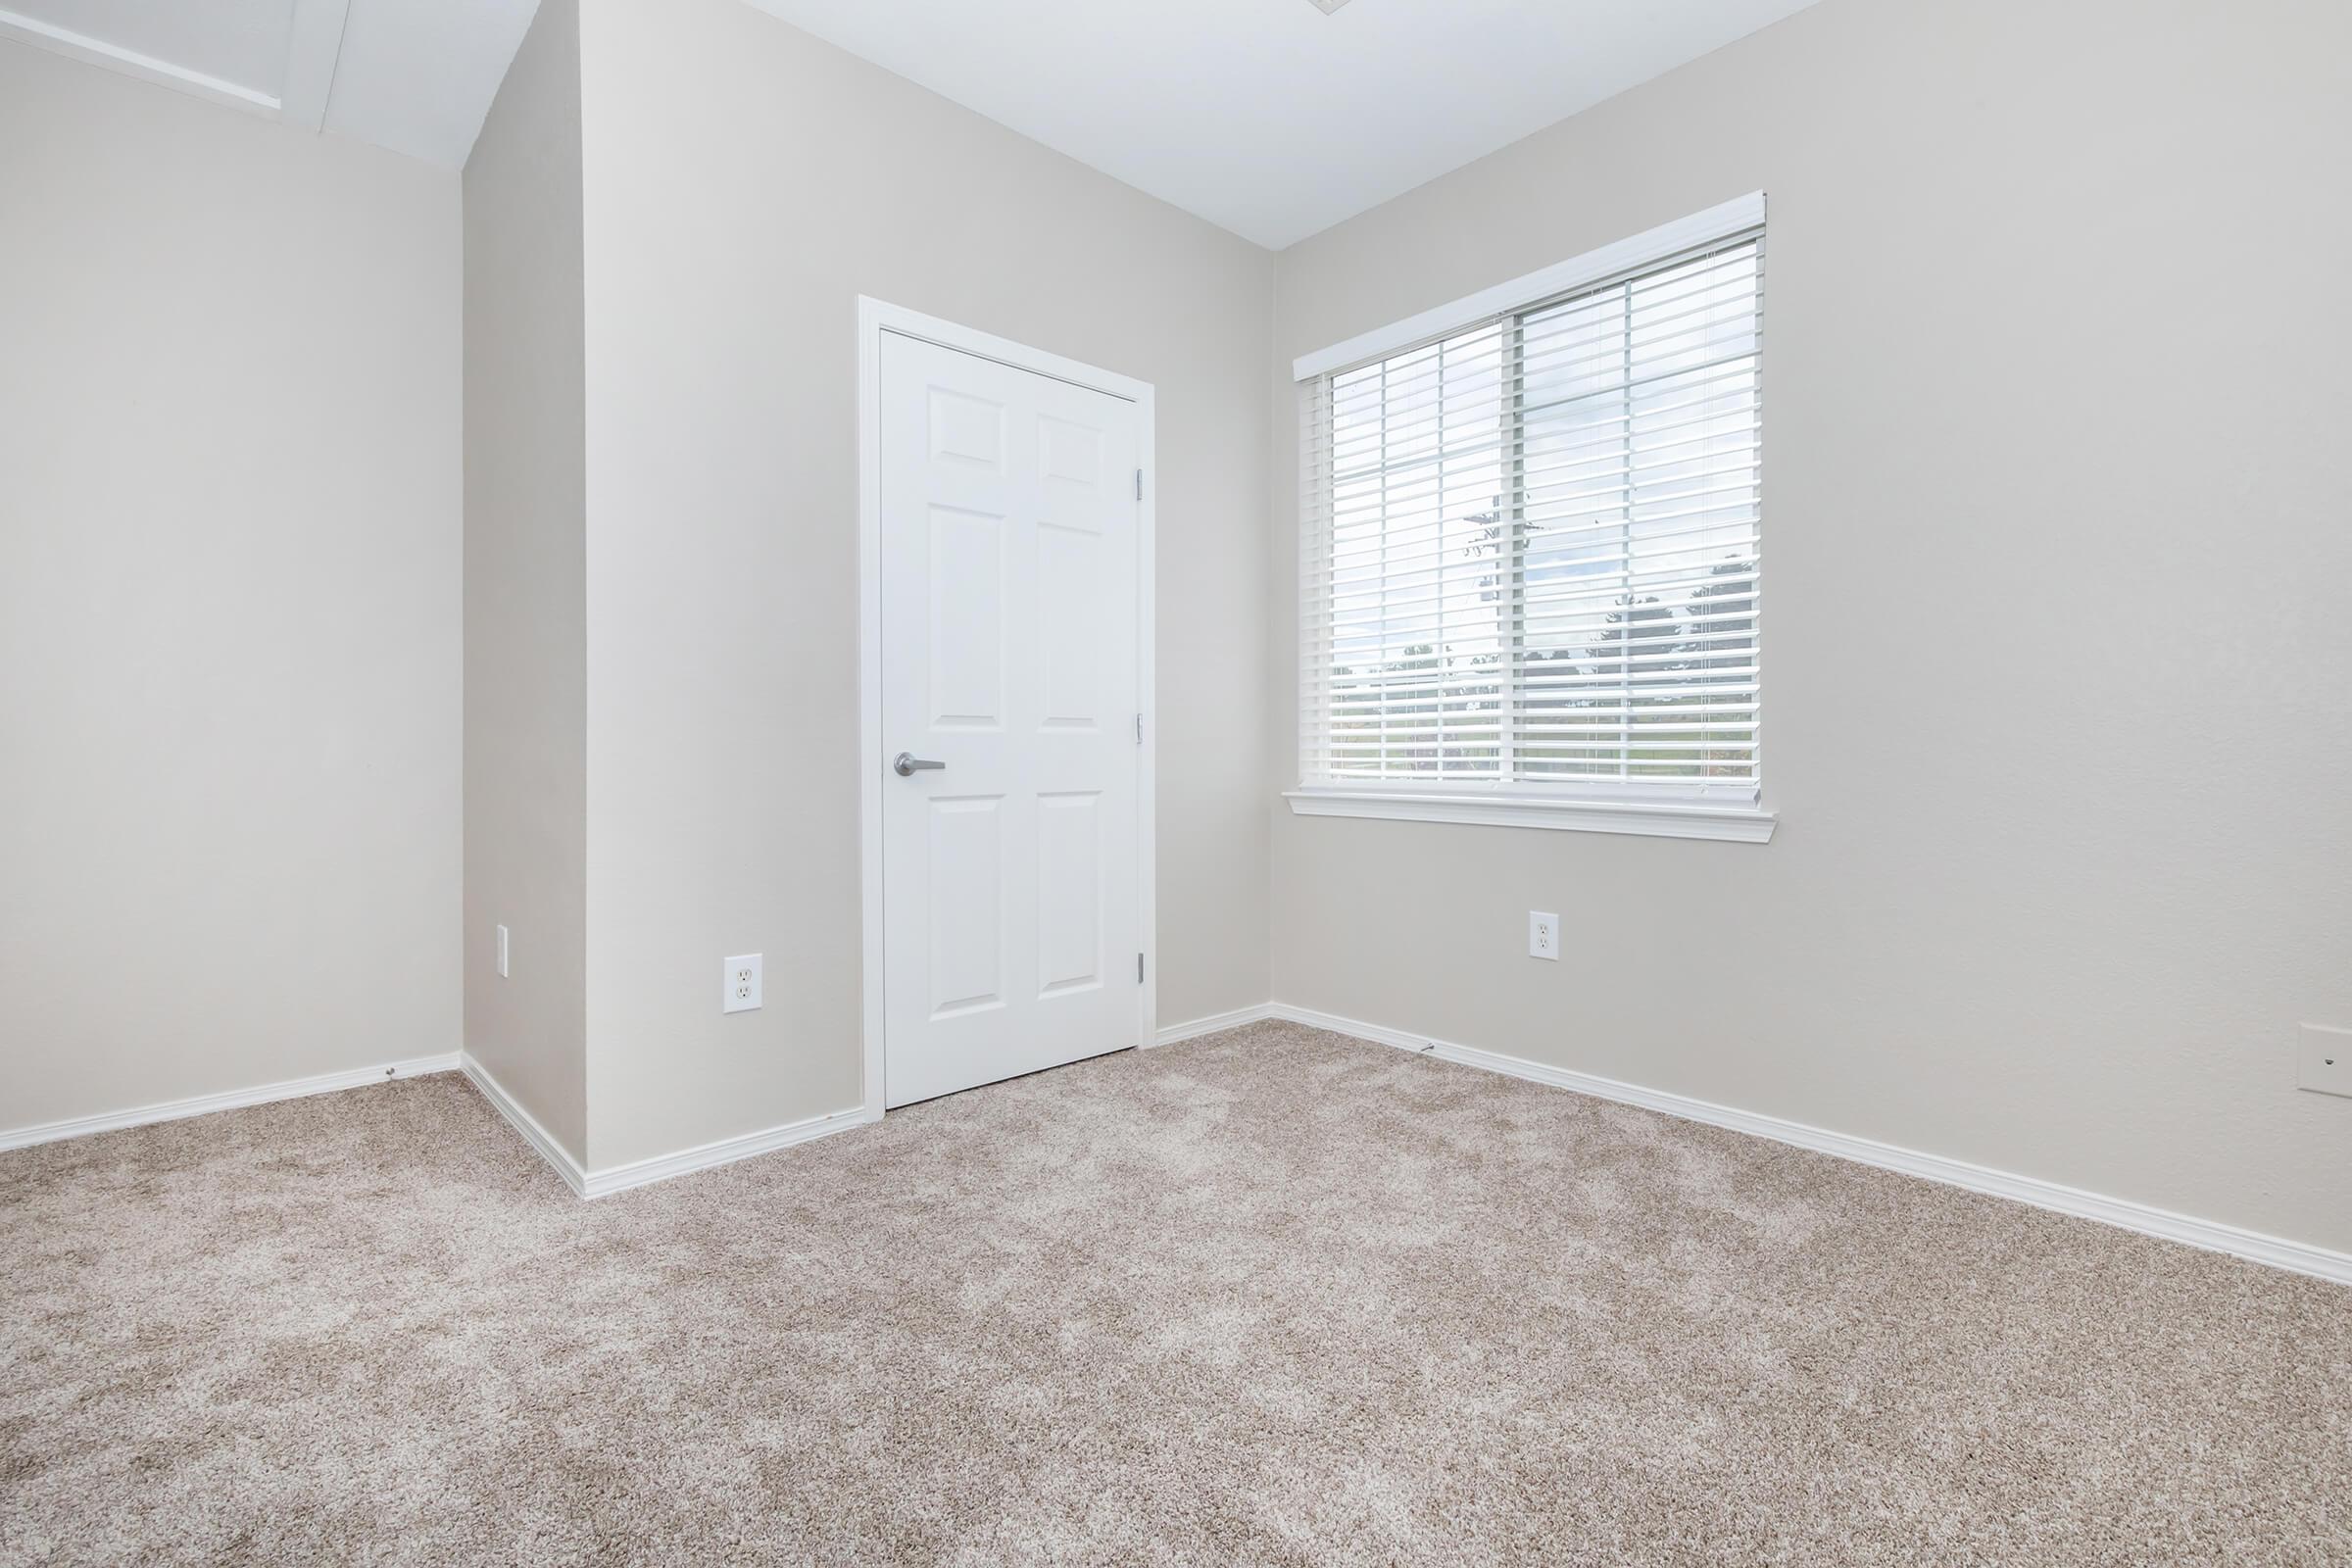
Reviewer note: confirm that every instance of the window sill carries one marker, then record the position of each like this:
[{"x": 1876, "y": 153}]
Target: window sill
[{"x": 1738, "y": 824}]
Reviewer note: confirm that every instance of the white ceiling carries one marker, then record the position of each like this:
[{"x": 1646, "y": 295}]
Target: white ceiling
[
  {"x": 415, "y": 76},
  {"x": 1266, "y": 116}
]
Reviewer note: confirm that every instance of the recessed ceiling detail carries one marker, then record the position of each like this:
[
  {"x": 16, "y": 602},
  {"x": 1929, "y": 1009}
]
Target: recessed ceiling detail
[
  {"x": 1261, "y": 115},
  {"x": 414, "y": 75}
]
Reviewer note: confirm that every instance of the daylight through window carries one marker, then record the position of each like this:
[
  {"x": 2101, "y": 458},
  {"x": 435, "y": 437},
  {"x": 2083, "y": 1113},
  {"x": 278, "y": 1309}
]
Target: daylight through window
[{"x": 1530, "y": 554}]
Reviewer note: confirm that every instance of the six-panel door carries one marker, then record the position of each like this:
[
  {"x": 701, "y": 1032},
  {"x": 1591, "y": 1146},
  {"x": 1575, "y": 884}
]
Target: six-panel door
[{"x": 1010, "y": 611}]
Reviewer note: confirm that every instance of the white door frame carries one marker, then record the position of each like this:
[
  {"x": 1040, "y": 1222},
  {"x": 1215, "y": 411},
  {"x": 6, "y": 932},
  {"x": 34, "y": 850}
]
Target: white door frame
[{"x": 875, "y": 317}]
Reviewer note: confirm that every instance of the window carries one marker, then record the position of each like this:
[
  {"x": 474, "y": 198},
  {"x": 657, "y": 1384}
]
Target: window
[{"x": 1531, "y": 566}]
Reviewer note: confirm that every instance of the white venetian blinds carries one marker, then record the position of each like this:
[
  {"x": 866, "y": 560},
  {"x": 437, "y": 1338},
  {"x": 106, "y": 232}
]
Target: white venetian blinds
[{"x": 1529, "y": 547}]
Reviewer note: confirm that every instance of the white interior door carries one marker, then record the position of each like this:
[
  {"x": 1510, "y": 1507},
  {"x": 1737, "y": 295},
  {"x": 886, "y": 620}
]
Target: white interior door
[{"x": 1010, "y": 611}]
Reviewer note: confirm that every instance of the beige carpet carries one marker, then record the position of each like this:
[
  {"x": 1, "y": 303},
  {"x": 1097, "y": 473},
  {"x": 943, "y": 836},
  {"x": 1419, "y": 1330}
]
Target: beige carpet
[{"x": 1267, "y": 1297}]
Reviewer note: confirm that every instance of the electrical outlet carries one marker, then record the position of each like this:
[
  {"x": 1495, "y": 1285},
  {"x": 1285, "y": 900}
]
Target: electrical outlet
[
  {"x": 741, "y": 993},
  {"x": 1542, "y": 934},
  {"x": 2324, "y": 1060},
  {"x": 502, "y": 953}
]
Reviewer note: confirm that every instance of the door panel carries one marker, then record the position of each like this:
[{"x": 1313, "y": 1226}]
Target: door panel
[
  {"x": 1069, "y": 890},
  {"x": 966, "y": 888},
  {"x": 1069, "y": 567},
  {"x": 967, "y": 619},
  {"x": 1009, "y": 615}
]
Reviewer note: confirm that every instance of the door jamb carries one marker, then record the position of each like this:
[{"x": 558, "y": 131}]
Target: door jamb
[{"x": 875, "y": 317}]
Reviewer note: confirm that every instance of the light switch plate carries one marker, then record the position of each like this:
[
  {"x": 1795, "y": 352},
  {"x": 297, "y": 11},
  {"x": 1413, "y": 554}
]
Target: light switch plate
[
  {"x": 740, "y": 991},
  {"x": 2323, "y": 1060}
]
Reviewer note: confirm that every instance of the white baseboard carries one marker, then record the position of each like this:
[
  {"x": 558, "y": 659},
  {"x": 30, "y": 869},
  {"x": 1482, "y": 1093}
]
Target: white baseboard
[
  {"x": 2276, "y": 1251},
  {"x": 523, "y": 1122},
  {"x": 725, "y": 1151},
  {"x": 2297, "y": 1256},
  {"x": 1169, "y": 1034},
  {"x": 325, "y": 1083},
  {"x": 660, "y": 1168}
]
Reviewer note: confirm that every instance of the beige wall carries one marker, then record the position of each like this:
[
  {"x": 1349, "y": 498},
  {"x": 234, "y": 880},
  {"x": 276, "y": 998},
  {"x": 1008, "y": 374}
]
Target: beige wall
[
  {"x": 525, "y": 587},
  {"x": 2057, "y": 662},
  {"x": 229, "y": 598},
  {"x": 2054, "y": 399},
  {"x": 745, "y": 183}
]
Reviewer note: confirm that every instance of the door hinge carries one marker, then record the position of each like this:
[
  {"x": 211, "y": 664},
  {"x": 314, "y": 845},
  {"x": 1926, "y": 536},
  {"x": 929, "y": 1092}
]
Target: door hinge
[
  {"x": 1139, "y": 968},
  {"x": 1138, "y": 484},
  {"x": 1139, "y": 729}
]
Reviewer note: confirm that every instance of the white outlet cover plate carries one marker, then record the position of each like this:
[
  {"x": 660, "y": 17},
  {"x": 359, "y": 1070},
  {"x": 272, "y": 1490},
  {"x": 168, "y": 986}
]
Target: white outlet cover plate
[
  {"x": 1542, "y": 934},
  {"x": 739, "y": 984},
  {"x": 2323, "y": 1060}
]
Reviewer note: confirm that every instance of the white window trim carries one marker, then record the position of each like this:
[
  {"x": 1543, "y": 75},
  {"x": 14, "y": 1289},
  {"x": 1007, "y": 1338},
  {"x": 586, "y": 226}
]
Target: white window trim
[
  {"x": 1661, "y": 820},
  {"x": 1687, "y": 817}
]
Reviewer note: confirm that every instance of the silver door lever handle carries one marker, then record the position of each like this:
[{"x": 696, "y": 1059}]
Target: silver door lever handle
[{"x": 907, "y": 764}]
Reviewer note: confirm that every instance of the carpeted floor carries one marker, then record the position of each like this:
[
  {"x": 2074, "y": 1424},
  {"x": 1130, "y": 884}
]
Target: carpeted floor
[{"x": 1271, "y": 1297}]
